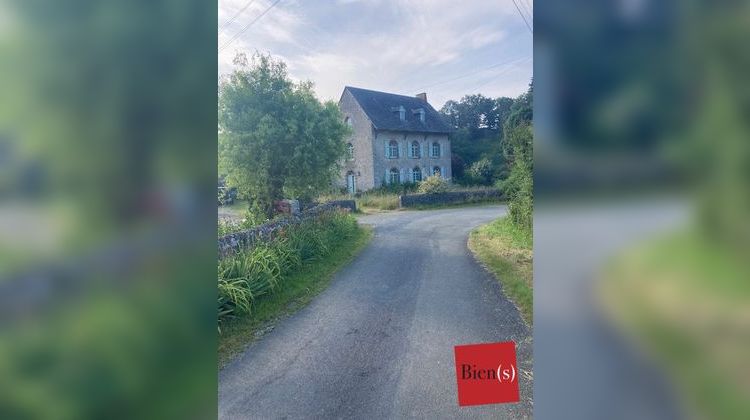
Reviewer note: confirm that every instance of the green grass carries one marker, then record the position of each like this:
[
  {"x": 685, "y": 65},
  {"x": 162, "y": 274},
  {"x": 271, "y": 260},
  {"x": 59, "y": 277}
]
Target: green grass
[
  {"x": 686, "y": 299},
  {"x": 472, "y": 203},
  {"x": 299, "y": 289},
  {"x": 382, "y": 200},
  {"x": 507, "y": 252}
]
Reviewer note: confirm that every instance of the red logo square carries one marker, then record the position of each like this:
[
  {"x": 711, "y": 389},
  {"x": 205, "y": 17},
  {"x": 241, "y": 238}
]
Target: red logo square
[{"x": 487, "y": 373}]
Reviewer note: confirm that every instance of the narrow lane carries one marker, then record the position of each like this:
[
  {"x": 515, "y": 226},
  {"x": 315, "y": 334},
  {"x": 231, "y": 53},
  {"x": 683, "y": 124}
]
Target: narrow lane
[{"x": 378, "y": 343}]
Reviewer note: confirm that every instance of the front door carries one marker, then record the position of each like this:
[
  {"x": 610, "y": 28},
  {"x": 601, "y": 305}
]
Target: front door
[{"x": 351, "y": 183}]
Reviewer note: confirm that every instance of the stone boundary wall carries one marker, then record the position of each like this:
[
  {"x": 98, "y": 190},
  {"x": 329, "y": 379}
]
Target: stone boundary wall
[
  {"x": 228, "y": 244},
  {"x": 452, "y": 197}
]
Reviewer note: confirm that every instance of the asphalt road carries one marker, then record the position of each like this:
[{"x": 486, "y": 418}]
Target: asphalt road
[
  {"x": 378, "y": 343},
  {"x": 585, "y": 367}
]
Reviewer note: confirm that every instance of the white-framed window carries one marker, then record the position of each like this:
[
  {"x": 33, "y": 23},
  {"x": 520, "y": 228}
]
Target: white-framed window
[
  {"x": 393, "y": 149},
  {"x": 348, "y": 121},
  {"x": 416, "y": 174},
  {"x": 419, "y": 113},
  {"x": 435, "y": 149},
  {"x": 436, "y": 170},
  {"x": 394, "y": 176},
  {"x": 415, "y": 149},
  {"x": 350, "y": 151}
]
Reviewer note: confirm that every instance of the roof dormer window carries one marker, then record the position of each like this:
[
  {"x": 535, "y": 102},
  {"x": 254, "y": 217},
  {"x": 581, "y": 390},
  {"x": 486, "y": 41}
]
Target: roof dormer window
[
  {"x": 401, "y": 112},
  {"x": 418, "y": 114}
]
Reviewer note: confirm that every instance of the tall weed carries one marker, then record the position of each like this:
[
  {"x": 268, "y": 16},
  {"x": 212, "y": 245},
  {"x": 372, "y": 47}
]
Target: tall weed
[{"x": 249, "y": 274}]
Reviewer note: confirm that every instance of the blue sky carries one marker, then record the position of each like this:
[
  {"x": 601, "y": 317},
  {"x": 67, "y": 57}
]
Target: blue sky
[{"x": 447, "y": 48}]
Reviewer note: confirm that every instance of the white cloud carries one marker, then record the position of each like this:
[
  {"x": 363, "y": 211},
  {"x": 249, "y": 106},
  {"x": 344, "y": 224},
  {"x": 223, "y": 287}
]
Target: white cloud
[{"x": 396, "y": 46}]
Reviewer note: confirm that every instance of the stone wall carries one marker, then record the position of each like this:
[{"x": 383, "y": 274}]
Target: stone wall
[
  {"x": 361, "y": 139},
  {"x": 452, "y": 197},
  {"x": 266, "y": 232}
]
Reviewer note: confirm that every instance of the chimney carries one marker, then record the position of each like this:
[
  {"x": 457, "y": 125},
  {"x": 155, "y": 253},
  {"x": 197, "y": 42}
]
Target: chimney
[{"x": 422, "y": 96}]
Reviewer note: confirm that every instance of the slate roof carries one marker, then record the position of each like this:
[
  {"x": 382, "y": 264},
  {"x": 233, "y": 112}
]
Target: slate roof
[{"x": 380, "y": 108}]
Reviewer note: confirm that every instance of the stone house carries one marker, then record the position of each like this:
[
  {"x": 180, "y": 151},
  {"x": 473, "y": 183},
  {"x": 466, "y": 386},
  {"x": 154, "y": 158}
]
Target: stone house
[{"x": 395, "y": 139}]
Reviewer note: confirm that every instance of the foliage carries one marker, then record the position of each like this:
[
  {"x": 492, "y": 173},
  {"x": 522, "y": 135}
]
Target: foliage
[
  {"x": 477, "y": 111},
  {"x": 378, "y": 200},
  {"x": 276, "y": 139},
  {"x": 518, "y": 149},
  {"x": 478, "y": 122},
  {"x": 299, "y": 288},
  {"x": 250, "y": 274},
  {"x": 683, "y": 298},
  {"x": 506, "y": 250},
  {"x": 432, "y": 185},
  {"x": 720, "y": 171},
  {"x": 481, "y": 172},
  {"x": 400, "y": 188}
]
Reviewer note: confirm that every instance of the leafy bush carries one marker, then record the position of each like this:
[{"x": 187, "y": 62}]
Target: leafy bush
[
  {"x": 519, "y": 185},
  {"x": 378, "y": 200},
  {"x": 398, "y": 189},
  {"x": 248, "y": 275},
  {"x": 481, "y": 172},
  {"x": 433, "y": 185}
]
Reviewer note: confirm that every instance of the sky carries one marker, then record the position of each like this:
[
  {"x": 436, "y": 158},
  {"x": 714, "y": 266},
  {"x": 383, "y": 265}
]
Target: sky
[{"x": 446, "y": 48}]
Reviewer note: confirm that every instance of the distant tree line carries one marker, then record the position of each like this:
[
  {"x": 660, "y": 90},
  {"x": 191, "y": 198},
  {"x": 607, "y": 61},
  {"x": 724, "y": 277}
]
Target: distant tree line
[{"x": 479, "y": 157}]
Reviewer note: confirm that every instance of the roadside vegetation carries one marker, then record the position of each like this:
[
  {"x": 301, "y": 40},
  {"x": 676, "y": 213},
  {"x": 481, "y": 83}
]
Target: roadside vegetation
[
  {"x": 506, "y": 250},
  {"x": 505, "y": 245},
  {"x": 686, "y": 301},
  {"x": 386, "y": 198},
  {"x": 259, "y": 285},
  {"x": 276, "y": 139}
]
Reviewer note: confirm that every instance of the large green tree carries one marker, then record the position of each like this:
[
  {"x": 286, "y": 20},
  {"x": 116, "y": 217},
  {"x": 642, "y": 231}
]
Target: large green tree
[
  {"x": 276, "y": 139},
  {"x": 478, "y": 121}
]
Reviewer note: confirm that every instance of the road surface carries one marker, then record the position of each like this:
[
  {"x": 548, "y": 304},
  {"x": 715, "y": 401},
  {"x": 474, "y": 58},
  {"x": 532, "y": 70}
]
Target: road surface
[
  {"x": 378, "y": 343},
  {"x": 585, "y": 369}
]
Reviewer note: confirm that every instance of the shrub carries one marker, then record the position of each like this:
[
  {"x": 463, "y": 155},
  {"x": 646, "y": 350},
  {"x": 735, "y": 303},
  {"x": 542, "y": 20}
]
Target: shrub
[
  {"x": 378, "y": 200},
  {"x": 433, "y": 185},
  {"x": 252, "y": 273},
  {"x": 519, "y": 185},
  {"x": 481, "y": 172}
]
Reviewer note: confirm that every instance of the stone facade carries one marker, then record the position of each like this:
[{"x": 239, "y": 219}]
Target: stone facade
[
  {"x": 371, "y": 163},
  {"x": 405, "y": 163},
  {"x": 361, "y": 139}
]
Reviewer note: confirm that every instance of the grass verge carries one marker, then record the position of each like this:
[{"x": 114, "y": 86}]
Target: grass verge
[
  {"x": 507, "y": 252},
  {"x": 299, "y": 289},
  {"x": 687, "y": 302}
]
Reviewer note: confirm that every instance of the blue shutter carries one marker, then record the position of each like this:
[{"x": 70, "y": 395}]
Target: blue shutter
[
  {"x": 442, "y": 168},
  {"x": 386, "y": 148},
  {"x": 387, "y": 173}
]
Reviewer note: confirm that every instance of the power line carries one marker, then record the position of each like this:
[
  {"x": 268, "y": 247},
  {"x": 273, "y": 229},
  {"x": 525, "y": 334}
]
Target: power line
[
  {"x": 494, "y": 77},
  {"x": 523, "y": 17},
  {"x": 473, "y": 72},
  {"x": 231, "y": 19},
  {"x": 527, "y": 9},
  {"x": 237, "y": 35}
]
